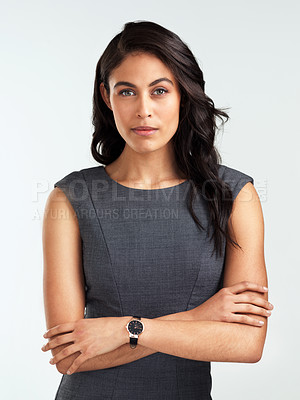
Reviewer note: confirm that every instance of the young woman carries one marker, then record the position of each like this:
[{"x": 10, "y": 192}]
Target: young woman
[{"x": 153, "y": 261}]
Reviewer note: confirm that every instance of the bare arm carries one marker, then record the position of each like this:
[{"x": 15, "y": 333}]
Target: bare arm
[
  {"x": 63, "y": 281},
  {"x": 64, "y": 297},
  {"x": 219, "y": 341},
  {"x": 124, "y": 354}
]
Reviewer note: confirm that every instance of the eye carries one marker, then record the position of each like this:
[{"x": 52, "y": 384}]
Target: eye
[
  {"x": 128, "y": 92},
  {"x": 125, "y": 91},
  {"x": 164, "y": 90}
]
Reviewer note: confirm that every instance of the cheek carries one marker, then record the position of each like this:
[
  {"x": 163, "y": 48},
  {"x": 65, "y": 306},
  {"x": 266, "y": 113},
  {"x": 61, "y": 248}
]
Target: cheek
[
  {"x": 171, "y": 104},
  {"x": 122, "y": 111},
  {"x": 169, "y": 111}
]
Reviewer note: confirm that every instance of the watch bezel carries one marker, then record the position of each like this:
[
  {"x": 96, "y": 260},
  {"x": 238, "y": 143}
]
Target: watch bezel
[{"x": 132, "y": 333}]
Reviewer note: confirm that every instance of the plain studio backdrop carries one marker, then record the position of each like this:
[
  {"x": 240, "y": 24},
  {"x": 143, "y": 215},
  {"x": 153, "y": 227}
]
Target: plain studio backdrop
[{"x": 249, "y": 53}]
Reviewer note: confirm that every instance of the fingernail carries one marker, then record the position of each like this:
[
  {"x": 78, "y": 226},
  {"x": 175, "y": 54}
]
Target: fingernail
[
  {"x": 68, "y": 372},
  {"x": 261, "y": 322},
  {"x": 265, "y": 288}
]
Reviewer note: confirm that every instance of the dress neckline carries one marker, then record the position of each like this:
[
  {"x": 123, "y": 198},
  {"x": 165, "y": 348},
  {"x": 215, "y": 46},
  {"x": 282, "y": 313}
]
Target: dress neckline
[{"x": 142, "y": 190}]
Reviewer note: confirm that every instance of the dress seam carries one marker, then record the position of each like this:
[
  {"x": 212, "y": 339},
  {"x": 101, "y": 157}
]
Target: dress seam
[
  {"x": 104, "y": 242},
  {"x": 192, "y": 291}
]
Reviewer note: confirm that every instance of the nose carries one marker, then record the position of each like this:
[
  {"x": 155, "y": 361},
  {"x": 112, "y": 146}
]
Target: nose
[{"x": 144, "y": 108}]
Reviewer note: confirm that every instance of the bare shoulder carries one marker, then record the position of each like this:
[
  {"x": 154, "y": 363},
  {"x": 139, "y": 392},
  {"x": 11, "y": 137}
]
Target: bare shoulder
[
  {"x": 63, "y": 278},
  {"x": 62, "y": 250},
  {"x": 246, "y": 222},
  {"x": 59, "y": 204},
  {"x": 246, "y": 227}
]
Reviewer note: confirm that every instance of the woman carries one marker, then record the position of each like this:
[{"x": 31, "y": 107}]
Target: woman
[{"x": 154, "y": 265}]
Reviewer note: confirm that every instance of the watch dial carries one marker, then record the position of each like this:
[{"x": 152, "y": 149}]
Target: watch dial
[{"x": 135, "y": 327}]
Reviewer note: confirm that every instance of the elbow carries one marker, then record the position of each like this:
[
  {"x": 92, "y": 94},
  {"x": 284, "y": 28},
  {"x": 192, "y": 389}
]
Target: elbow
[
  {"x": 249, "y": 357},
  {"x": 256, "y": 353},
  {"x": 254, "y": 357},
  {"x": 256, "y": 342},
  {"x": 62, "y": 367}
]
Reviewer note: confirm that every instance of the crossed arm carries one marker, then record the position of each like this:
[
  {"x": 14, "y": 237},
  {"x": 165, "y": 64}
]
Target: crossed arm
[{"x": 186, "y": 334}]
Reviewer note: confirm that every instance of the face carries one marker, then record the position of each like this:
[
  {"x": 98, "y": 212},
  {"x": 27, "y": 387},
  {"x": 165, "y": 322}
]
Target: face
[{"x": 144, "y": 92}]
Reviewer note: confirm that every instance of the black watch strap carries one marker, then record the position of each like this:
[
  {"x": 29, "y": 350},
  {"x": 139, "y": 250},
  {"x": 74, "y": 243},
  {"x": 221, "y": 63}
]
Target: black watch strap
[{"x": 133, "y": 341}]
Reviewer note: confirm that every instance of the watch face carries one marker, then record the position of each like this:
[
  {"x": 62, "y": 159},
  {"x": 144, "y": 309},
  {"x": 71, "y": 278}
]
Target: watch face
[{"x": 135, "y": 327}]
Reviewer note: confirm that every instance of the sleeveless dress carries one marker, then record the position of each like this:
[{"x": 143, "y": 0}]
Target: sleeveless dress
[{"x": 143, "y": 255}]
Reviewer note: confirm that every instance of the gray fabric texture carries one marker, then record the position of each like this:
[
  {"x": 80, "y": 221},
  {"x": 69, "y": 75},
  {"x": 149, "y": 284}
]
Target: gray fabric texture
[{"x": 143, "y": 255}]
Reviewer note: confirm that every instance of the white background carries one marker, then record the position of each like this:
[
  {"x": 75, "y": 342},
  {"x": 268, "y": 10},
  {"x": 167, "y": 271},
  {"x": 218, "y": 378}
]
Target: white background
[{"x": 249, "y": 53}]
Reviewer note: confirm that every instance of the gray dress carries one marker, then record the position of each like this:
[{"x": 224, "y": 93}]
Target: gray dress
[{"x": 143, "y": 255}]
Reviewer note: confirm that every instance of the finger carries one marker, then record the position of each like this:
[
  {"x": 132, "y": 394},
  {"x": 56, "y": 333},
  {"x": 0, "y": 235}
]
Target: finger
[
  {"x": 67, "y": 327},
  {"x": 246, "y": 285},
  {"x": 65, "y": 352},
  {"x": 77, "y": 362},
  {"x": 251, "y": 309},
  {"x": 253, "y": 299},
  {"x": 247, "y": 320},
  {"x": 61, "y": 339}
]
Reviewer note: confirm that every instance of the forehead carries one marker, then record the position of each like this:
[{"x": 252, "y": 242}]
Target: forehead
[{"x": 141, "y": 68}]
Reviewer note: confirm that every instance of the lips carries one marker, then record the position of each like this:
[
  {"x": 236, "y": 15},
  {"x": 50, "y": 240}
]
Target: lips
[{"x": 144, "y": 130}]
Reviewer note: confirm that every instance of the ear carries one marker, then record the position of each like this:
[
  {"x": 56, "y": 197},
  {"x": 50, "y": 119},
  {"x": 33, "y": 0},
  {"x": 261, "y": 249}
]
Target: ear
[{"x": 104, "y": 95}]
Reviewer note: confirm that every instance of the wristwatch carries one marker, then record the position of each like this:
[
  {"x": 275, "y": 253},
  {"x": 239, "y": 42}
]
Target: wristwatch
[{"x": 135, "y": 327}]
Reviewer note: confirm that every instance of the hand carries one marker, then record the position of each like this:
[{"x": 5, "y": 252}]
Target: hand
[
  {"x": 90, "y": 336},
  {"x": 228, "y": 301}
]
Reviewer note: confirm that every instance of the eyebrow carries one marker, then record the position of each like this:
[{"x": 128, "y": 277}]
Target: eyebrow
[{"x": 124, "y": 83}]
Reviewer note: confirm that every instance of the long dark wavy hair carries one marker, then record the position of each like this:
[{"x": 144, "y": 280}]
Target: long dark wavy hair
[{"x": 194, "y": 139}]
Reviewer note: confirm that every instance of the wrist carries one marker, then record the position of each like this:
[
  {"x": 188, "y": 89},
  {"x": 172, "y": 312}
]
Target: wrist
[{"x": 148, "y": 323}]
